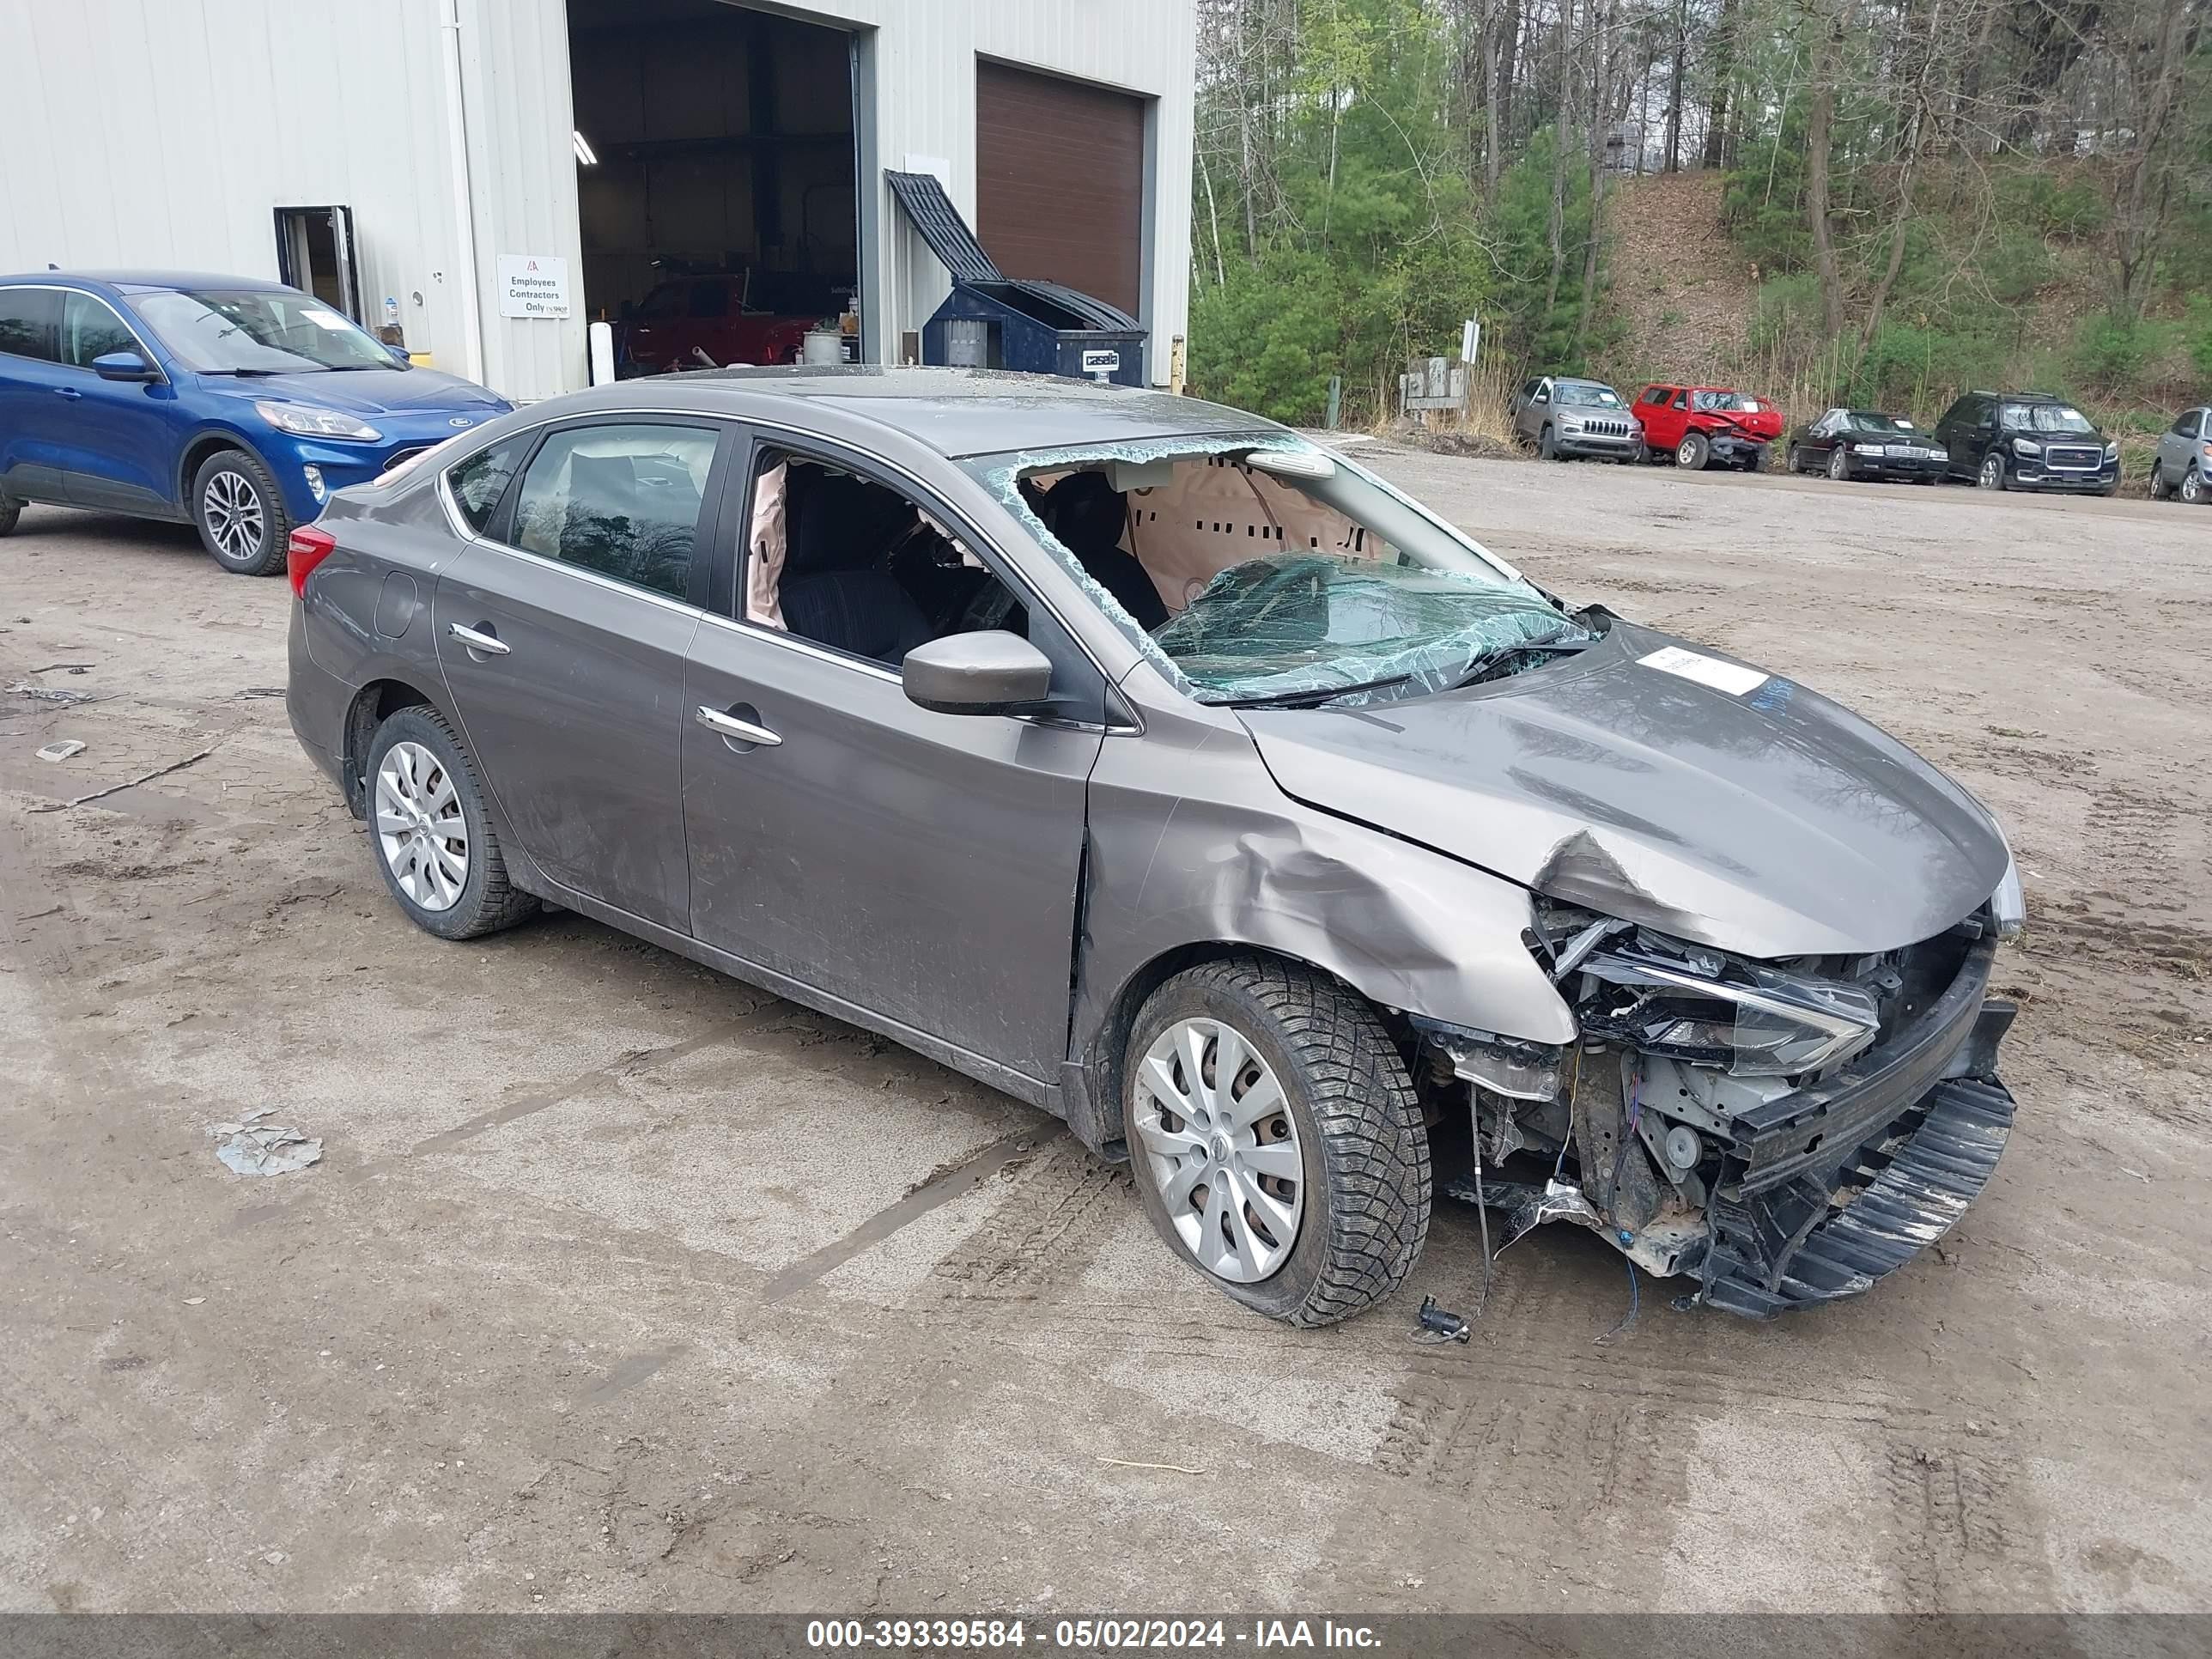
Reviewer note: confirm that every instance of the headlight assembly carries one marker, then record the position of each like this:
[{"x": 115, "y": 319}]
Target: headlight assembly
[
  {"x": 312, "y": 420},
  {"x": 2009, "y": 904},
  {"x": 1761, "y": 1021}
]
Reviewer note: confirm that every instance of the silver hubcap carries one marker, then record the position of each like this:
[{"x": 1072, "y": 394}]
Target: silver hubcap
[
  {"x": 1992, "y": 470},
  {"x": 2191, "y": 487},
  {"x": 1837, "y": 464},
  {"x": 419, "y": 826},
  {"x": 1223, "y": 1149},
  {"x": 1688, "y": 454},
  {"x": 234, "y": 519}
]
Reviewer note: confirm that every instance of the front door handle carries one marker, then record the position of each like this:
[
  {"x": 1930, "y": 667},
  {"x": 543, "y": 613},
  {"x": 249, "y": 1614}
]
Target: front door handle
[
  {"x": 731, "y": 727},
  {"x": 68, "y": 392},
  {"x": 491, "y": 644}
]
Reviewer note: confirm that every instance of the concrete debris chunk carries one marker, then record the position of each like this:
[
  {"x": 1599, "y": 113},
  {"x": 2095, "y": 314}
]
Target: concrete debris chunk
[
  {"x": 63, "y": 749},
  {"x": 252, "y": 1147}
]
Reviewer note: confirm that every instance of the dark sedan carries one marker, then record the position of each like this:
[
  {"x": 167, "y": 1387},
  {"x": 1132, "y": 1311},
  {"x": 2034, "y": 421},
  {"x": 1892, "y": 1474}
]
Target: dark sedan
[
  {"x": 1147, "y": 761},
  {"x": 1865, "y": 443}
]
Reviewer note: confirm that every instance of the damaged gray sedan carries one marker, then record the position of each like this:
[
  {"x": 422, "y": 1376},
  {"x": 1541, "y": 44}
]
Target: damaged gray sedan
[{"x": 1151, "y": 763}]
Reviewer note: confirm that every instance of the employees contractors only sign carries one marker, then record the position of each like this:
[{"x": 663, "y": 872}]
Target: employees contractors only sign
[{"x": 532, "y": 285}]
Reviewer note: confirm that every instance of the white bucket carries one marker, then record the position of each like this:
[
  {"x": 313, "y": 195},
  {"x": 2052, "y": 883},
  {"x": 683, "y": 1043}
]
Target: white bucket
[{"x": 823, "y": 345}]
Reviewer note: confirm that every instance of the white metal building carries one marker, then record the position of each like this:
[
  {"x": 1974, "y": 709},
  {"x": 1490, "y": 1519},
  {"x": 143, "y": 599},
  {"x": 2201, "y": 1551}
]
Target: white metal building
[{"x": 732, "y": 136}]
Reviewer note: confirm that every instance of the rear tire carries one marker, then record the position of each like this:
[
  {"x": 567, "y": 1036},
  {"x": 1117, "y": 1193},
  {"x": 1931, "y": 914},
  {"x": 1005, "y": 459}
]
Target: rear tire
[
  {"x": 1335, "y": 1102},
  {"x": 240, "y": 514},
  {"x": 429, "y": 834},
  {"x": 1692, "y": 452},
  {"x": 2159, "y": 492},
  {"x": 10, "y": 510}
]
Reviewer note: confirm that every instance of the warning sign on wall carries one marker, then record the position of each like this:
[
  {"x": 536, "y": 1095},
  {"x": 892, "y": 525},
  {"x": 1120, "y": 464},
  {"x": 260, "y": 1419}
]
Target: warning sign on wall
[{"x": 532, "y": 285}]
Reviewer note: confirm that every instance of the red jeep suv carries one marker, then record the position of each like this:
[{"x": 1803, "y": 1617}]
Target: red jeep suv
[{"x": 1699, "y": 425}]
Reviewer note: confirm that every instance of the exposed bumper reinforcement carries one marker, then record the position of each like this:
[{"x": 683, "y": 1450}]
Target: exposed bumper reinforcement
[{"x": 1793, "y": 1247}]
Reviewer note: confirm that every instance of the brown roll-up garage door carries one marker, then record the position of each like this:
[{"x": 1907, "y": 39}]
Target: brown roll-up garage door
[{"x": 1060, "y": 181}]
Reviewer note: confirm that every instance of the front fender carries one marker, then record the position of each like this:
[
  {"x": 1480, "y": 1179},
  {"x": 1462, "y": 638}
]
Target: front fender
[{"x": 1191, "y": 843}]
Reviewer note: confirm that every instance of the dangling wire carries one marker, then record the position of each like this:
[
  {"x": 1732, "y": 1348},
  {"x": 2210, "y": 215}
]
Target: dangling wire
[
  {"x": 1482, "y": 1210},
  {"x": 1634, "y": 1302}
]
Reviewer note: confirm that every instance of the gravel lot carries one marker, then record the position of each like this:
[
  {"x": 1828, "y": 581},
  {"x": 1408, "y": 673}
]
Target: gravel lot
[{"x": 620, "y": 1286}]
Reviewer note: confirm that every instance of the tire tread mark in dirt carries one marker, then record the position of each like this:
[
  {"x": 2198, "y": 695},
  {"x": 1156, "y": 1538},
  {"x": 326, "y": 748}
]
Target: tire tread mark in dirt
[
  {"x": 1046, "y": 1227},
  {"x": 1963, "y": 1529}
]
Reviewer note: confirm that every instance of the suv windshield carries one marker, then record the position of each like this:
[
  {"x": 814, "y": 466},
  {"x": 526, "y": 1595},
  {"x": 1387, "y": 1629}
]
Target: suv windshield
[
  {"x": 1587, "y": 392},
  {"x": 2046, "y": 417},
  {"x": 257, "y": 331},
  {"x": 1362, "y": 597}
]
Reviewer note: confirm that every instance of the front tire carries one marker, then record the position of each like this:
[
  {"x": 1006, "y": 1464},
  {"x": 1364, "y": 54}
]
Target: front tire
[
  {"x": 431, "y": 837},
  {"x": 242, "y": 519},
  {"x": 10, "y": 511},
  {"x": 1548, "y": 447},
  {"x": 1839, "y": 464},
  {"x": 1992, "y": 475},
  {"x": 1692, "y": 453},
  {"x": 1277, "y": 1143},
  {"x": 2193, "y": 491}
]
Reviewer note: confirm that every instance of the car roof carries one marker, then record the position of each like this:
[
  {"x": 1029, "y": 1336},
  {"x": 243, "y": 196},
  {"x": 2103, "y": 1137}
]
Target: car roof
[
  {"x": 131, "y": 282},
  {"x": 954, "y": 411}
]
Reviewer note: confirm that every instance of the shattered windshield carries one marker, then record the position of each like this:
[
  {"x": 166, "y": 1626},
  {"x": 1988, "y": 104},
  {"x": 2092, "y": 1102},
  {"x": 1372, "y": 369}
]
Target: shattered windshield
[
  {"x": 1866, "y": 421},
  {"x": 1281, "y": 626},
  {"x": 1725, "y": 401},
  {"x": 2046, "y": 417},
  {"x": 1267, "y": 569},
  {"x": 1588, "y": 392}
]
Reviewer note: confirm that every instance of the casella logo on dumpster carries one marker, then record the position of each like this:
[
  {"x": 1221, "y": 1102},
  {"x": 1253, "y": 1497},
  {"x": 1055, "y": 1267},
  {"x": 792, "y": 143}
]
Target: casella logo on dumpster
[{"x": 1101, "y": 363}]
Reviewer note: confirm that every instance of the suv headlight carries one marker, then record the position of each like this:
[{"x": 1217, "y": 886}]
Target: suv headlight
[
  {"x": 2112, "y": 452},
  {"x": 2027, "y": 446},
  {"x": 312, "y": 420}
]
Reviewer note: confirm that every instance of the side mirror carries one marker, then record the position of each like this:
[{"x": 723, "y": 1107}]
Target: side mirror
[
  {"x": 992, "y": 672},
  {"x": 125, "y": 365},
  {"x": 400, "y": 356}
]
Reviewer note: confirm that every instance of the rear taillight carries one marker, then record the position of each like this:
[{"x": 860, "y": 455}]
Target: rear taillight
[{"x": 308, "y": 548}]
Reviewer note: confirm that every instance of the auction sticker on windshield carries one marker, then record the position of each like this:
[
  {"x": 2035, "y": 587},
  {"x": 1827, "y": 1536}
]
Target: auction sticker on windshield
[{"x": 1731, "y": 678}]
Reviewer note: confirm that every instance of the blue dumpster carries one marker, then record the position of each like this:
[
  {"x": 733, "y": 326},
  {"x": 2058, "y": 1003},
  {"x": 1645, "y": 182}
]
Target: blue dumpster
[{"x": 991, "y": 320}]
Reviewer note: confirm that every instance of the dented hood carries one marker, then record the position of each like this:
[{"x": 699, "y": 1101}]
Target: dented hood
[{"x": 1692, "y": 794}]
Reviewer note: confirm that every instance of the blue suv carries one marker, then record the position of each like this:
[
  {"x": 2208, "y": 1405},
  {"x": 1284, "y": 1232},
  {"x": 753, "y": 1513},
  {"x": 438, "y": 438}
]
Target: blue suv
[{"x": 228, "y": 403}]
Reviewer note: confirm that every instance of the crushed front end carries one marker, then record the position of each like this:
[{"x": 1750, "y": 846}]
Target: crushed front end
[{"x": 1786, "y": 1132}]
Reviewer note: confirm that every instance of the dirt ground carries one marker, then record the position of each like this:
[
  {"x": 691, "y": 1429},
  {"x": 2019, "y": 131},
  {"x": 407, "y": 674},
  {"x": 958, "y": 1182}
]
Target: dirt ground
[{"x": 621, "y": 1286}]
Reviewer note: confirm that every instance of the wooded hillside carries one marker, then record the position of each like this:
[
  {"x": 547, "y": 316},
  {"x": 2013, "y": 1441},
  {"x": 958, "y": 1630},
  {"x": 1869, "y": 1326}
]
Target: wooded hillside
[{"x": 1916, "y": 195}]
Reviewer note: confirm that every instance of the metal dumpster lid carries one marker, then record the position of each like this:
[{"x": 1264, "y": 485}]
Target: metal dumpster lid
[
  {"x": 942, "y": 227},
  {"x": 1089, "y": 307}
]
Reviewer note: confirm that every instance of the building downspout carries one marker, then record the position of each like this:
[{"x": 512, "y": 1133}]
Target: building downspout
[{"x": 464, "y": 219}]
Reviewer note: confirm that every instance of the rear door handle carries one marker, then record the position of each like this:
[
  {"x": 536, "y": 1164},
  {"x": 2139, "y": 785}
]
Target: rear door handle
[
  {"x": 489, "y": 644},
  {"x": 68, "y": 392},
  {"x": 731, "y": 727}
]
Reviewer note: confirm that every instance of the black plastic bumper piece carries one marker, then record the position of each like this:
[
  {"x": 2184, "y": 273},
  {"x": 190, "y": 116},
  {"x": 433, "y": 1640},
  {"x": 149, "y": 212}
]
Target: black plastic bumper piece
[{"x": 1802, "y": 1244}]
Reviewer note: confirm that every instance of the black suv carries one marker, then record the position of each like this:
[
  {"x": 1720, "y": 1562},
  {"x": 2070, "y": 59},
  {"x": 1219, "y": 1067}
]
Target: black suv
[{"x": 2027, "y": 441}]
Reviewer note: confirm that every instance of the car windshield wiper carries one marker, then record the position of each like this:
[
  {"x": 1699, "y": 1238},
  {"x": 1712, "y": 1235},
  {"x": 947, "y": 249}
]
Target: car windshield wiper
[
  {"x": 263, "y": 373},
  {"x": 1313, "y": 694},
  {"x": 1489, "y": 659}
]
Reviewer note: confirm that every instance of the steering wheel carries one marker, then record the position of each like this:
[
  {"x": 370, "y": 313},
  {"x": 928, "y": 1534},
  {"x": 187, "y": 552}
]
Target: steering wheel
[{"x": 991, "y": 606}]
